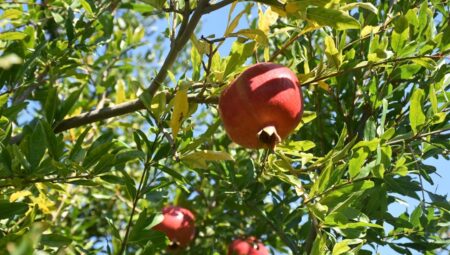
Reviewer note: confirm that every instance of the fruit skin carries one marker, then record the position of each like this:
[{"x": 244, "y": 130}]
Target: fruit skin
[
  {"x": 249, "y": 246},
  {"x": 264, "y": 95},
  {"x": 178, "y": 225}
]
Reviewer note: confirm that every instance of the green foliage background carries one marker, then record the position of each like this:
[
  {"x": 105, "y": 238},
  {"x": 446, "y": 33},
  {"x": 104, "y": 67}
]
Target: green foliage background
[{"x": 375, "y": 78}]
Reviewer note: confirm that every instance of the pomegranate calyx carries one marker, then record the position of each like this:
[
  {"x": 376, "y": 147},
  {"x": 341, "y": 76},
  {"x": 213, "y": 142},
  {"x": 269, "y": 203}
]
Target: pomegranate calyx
[{"x": 269, "y": 136}]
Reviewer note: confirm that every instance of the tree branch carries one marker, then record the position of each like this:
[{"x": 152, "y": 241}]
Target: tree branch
[{"x": 135, "y": 105}]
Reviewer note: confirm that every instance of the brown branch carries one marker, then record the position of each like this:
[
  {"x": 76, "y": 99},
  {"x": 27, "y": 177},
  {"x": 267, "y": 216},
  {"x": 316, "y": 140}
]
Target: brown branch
[
  {"x": 178, "y": 45},
  {"x": 135, "y": 105},
  {"x": 217, "y": 6},
  {"x": 224, "y": 3}
]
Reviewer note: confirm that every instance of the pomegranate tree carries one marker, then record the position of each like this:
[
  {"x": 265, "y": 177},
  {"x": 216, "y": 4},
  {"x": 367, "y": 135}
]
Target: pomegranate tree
[
  {"x": 248, "y": 246},
  {"x": 262, "y": 106},
  {"x": 178, "y": 225}
]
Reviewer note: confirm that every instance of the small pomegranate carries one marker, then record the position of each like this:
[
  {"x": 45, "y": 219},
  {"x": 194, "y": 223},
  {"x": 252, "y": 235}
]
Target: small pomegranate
[
  {"x": 249, "y": 246},
  {"x": 178, "y": 225},
  {"x": 262, "y": 106}
]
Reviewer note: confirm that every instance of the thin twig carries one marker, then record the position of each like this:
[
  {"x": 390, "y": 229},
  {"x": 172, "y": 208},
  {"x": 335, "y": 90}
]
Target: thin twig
[
  {"x": 133, "y": 209},
  {"x": 44, "y": 180},
  {"x": 274, "y": 226},
  {"x": 419, "y": 135}
]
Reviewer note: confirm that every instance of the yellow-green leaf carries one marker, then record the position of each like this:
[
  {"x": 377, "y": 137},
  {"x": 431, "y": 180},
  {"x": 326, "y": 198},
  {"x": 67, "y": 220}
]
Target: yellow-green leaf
[
  {"x": 43, "y": 203},
  {"x": 11, "y": 14},
  {"x": 18, "y": 195},
  {"x": 87, "y": 6},
  {"x": 333, "y": 56},
  {"x": 308, "y": 116},
  {"x": 158, "y": 104},
  {"x": 357, "y": 161},
  {"x": 11, "y": 59},
  {"x": 433, "y": 99},
  {"x": 12, "y": 36},
  {"x": 201, "y": 46},
  {"x": 416, "y": 115},
  {"x": 254, "y": 34},
  {"x": 296, "y": 146},
  {"x": 367, "y": 6},
  {"x": 438, "y": 118},
  {"x": 344, "y": 246},
  {"x": 199, "y": 158},
  {"x": 233, "y": 24},
  {"x": 337, "y": 19},
  {"x": 180, "y": 111},
  {"x": 266, "y": 19},
  {"x": 120, "y": 91}
]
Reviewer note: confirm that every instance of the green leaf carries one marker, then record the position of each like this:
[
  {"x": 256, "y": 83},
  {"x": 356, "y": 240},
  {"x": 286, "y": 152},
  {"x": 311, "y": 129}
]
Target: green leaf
[
  {"x": 68, "y": 104},
  {"x": 87, "y": 6},
  {"x": 199, "y": 158},
  {"x": 130, "y": 185},
  {"x": 196, "y": 60},
  {"x": 233, "y": 24},
  {"x": 12, "y": 36},
  {"x": 70, "y": 31},
  {"x": 415, "y": 216},
  {"x": 129, "y": 155},
  {"x": 333, "y": 55},
  {"x": 3, "y": 99},
  {"x": 371, "y": 145},
  {"x": 319, "y": 245},
  {"x": 97, "y": 149},
  {"x": 357, "y": 161},
  {"x": 433, "y": 99},
  {"x": 438, "y": 118},
  {"x": 416, "y": 115},
  {"x": 8, "y": 210},
  {"x": 51, "y": 103},
  {"x": 367, "y": 6},
  {"x": 11, "y": 14},
  {"x": 155, "y": 3},
  {"x": 142, "y": 8},
  {"x": 55, "y": 240},
  {"x": 296, "y": 146},
  {"x": 75, "y": 152},
  {"x": 378, "y": 171},
  {"x": 106, "y": 162},
  {"x": 344, "y": 246},
  {"x": 239, "y": 54},
  {"x": 400, "y": 33},
  {"x": 339, "y": 20},
  {"x": 115, "y": 232},
  {"x": 143, "y": 222},
  {"x": 37, "y": 145},
  {"x": 254, "y": 34}
]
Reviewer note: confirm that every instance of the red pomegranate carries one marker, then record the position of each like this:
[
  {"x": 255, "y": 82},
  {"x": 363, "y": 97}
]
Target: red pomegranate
[
  {"x": 178, "y": 225},
  {"x": 262, "y": 106},
  {"x": 249, "y": 246}
]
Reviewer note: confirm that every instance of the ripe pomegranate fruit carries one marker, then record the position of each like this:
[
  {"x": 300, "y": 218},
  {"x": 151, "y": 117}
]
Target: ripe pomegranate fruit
[
  {"x": 249, "y": 246},
  {"x": 178, "y": 225},
  {"x": 262, "y": 106}
]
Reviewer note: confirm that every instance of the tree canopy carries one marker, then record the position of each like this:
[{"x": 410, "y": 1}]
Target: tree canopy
[{"x": 109, "y": 113}]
